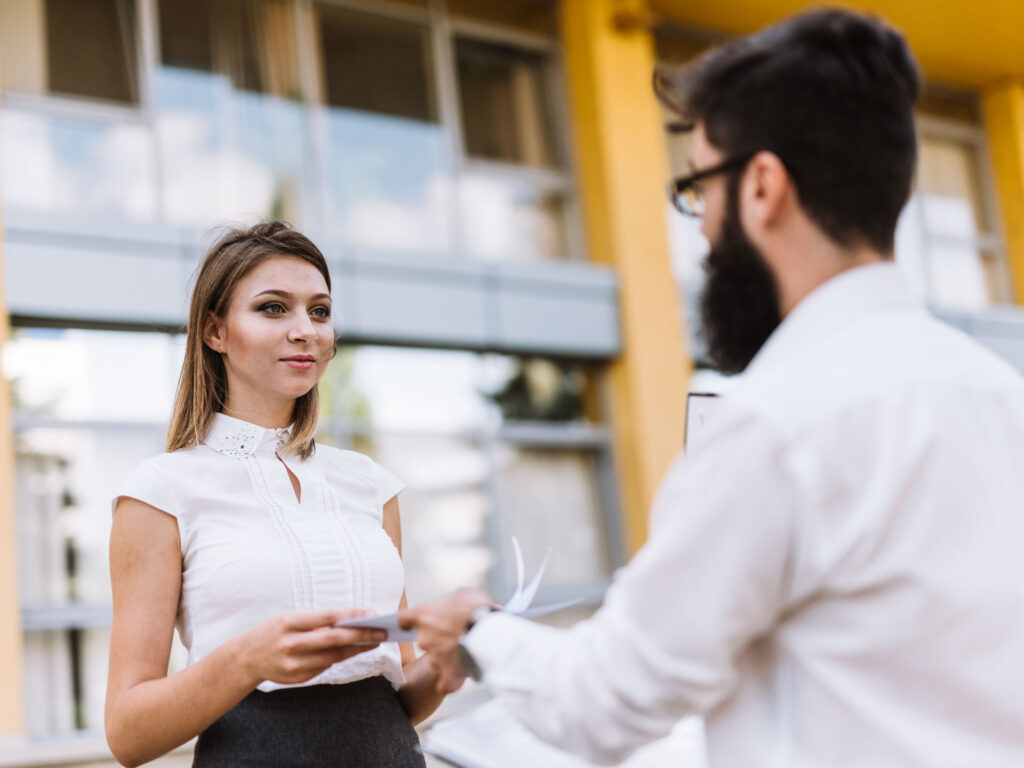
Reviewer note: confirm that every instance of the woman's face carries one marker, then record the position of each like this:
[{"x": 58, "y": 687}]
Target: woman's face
[{"x": 276, "y": 338}]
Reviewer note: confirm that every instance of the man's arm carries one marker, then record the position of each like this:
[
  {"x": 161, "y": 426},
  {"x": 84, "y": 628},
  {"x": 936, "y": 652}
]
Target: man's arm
[{"x": 712, "y": 578}]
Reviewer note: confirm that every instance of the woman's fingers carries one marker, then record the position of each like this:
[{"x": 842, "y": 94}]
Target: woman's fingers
[
  {"x": 332, "y": 638},
  {"x": 298, "y": 621}
]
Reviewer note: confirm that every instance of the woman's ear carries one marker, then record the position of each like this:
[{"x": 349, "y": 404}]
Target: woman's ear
[{"x": 213, "y": 332}]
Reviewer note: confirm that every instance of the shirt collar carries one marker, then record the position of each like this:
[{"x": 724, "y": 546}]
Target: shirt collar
[
  {"x": 240, "y": 439},
  {"x": 853, "y": 293}
]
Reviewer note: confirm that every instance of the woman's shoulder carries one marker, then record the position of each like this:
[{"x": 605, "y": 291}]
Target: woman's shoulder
[
  {"x": 172, "y": 462},
  {"x": 341, "y": 463},
  {"x": 344, "y": 459},
  {"x": 157, "y": 480}
]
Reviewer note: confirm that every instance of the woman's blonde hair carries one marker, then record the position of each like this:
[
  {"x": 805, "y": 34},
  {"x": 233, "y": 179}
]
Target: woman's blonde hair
[{"x": 203, "y": 384}]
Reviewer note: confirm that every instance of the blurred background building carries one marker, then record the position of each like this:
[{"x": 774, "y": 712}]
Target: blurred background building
[{"x": 512, "y": 289}]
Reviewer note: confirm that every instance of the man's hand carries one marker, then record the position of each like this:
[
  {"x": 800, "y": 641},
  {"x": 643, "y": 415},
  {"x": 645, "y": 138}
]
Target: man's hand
[{"x": 441, "y": 624}]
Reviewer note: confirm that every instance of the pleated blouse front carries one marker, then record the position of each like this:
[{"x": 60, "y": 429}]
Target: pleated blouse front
[{"x": 251, "y": 550}]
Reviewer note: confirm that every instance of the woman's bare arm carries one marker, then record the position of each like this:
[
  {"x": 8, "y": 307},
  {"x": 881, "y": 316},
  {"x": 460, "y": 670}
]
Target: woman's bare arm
[
  {"x": 419, "y": 694},
  {"x": 148, "y": 713}
]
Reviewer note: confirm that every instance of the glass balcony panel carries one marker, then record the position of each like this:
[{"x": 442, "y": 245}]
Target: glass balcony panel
[
  {"x": 551, "y": 498},
  {"x": 505, "y": 218},
  {"x": 231, "y": 127},
  {"x": 80, "y": 167},
  {"x": 78, "y": 48},
  {"x": 387, "y": 164},
  {"x": 505, "y": 106}
]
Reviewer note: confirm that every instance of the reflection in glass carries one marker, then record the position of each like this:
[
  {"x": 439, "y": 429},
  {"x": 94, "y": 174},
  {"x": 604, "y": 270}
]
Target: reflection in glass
[
  {"x": 537, "y": 389},
  {"x": 64, "y": 482},
  {"x": 911, "y": 248},
  {"x": 81, "y": 48},
  {"x": 80, "y": 167},
  {"x": 551, "y": 498},
  {"x": 950, "y": 188},
  {"x": 444, "y": 519},
  {"x": 963, "y": 277},
  {"x": 390, "y": 388},
  {"x": 231, "y": 127},
  {"x": 505, "y": 218},
  {"x": 81, "y": 375},
  {"x": 503, "y": 96},
  {"x": 435, "y": 419},
  {"x": 386, "y": 173}
]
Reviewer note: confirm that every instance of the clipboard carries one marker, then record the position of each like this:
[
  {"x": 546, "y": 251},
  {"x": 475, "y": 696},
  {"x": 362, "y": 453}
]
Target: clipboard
[{"x": 700, "y": 409}]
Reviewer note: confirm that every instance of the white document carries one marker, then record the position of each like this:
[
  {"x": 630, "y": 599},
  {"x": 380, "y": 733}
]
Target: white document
[
  {"x": 519, "y": 604},
  {"x": 489, "y": 736}
]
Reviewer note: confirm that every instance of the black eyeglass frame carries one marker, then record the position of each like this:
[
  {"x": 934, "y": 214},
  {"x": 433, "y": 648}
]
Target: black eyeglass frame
[{"x": 678, "y": 187}]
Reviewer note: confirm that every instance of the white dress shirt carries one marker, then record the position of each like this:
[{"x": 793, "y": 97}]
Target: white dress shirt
[
  {"x": 251, "y": 551},
  {"x": 835, "y": 579}
]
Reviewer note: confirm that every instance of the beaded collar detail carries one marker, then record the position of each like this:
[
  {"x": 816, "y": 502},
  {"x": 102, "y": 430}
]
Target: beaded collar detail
[{"x": 240, "y": 439}]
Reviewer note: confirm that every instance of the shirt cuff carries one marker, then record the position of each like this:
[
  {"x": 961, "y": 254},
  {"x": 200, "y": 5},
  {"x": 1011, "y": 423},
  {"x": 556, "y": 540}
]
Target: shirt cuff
[{"x": 496, "y": 641}]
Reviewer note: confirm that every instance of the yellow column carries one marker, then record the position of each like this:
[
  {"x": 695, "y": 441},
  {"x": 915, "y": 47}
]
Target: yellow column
[
  {"x": 10, "y": 613},
  {"x": 1003, "y": 108},
  {"x": 622, "y": 163}
]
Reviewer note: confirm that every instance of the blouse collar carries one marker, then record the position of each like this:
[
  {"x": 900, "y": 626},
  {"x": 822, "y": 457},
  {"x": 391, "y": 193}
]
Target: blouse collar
[{"x": 240, "y": 439}]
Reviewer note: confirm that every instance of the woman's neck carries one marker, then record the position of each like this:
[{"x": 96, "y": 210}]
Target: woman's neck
[{"x": 263, "y": 415}]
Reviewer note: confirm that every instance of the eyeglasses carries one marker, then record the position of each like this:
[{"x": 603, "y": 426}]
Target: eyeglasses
[{"x": 685, "y": 192}]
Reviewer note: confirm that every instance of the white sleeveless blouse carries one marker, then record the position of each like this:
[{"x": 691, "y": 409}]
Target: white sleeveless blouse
[{"x": 251, "y": 551}]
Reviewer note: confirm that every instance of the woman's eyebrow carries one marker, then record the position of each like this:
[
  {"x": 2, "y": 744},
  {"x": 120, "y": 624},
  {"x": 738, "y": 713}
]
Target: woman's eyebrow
[{"x": 287, "y": 295}]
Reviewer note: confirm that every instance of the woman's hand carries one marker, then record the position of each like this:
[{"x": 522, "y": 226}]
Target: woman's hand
[{"x": 297, "y": 646}]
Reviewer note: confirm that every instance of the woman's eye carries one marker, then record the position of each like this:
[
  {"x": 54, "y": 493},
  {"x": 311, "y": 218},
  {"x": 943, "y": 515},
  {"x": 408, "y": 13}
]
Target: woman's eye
[
  {"x": 323, "y": 312},
  {"x": 273, "y": 308}
]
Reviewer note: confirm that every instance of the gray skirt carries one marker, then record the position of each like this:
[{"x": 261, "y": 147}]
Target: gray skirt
[{"x": 320, "y": 726}]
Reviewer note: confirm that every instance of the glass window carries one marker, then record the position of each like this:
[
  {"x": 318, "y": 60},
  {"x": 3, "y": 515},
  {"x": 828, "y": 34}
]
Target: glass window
[
  {"x": 83, "y": 48},
  {"x": 232, "y": 131},
  {"x": 950, "y": 188},
  {"x": 387, "y": 165},
  {"x": 436, "y": 418},
  {"x": 82, "y": 423},
  {"x": 512, "y": 219},
  {"x": 551, "y": 498},
  {"x": 79, "y": 167},
  {"x": 378, "y": 65},
  {"x": 946, "y": 240},
  {"x": 503, "y": 95},
  {"x": 80, "y": 376}
]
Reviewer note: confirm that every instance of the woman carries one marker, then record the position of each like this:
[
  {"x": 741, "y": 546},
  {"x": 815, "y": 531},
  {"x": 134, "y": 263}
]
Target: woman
[{"x": 255, "y": 542}]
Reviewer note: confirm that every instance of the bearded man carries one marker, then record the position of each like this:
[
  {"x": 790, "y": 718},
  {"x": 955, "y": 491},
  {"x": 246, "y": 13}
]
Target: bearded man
[{"x": 835, "y": 579}]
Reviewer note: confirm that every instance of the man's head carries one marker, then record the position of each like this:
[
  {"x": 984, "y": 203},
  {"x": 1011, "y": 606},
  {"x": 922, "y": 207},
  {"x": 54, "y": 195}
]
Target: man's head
[{"x": 814, "y": 117}]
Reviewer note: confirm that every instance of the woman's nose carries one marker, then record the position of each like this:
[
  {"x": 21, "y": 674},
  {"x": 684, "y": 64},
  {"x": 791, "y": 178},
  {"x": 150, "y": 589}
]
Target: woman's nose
[{"x": 302, "y": 328}]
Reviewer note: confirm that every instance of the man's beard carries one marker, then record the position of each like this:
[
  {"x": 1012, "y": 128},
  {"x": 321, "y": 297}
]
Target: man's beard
[{"x": 739, "y": 307}]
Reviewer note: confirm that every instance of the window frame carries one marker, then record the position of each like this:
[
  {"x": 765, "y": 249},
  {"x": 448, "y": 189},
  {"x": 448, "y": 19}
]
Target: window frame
[{"x": 991, "y": 240}]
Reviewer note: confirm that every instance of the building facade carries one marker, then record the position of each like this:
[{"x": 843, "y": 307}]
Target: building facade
[{"x": 486, "y": 179}]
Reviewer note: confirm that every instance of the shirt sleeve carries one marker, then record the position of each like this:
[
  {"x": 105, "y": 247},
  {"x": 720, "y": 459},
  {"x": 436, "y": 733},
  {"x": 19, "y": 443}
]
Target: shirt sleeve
[
  {"x": 710, "y": 580},
  {"x": 388, "y": 486},
  {"x": 147, "y": 484}
]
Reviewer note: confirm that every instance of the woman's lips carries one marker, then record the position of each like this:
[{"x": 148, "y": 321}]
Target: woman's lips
[{"x": 300, "y": 363}]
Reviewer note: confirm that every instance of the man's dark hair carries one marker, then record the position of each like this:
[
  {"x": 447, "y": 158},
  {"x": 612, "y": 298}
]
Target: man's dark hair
[{"x": 831, "y": 93}]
